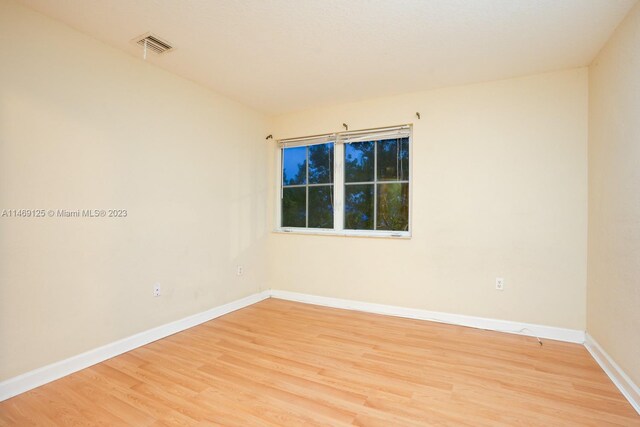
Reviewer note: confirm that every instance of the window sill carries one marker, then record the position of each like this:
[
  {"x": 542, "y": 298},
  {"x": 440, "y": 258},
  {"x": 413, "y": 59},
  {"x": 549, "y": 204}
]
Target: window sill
[{"x": 345, "y": 233}]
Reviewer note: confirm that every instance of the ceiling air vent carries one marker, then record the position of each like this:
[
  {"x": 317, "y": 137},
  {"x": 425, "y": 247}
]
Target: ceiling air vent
[{"x": 153, "y": 43}]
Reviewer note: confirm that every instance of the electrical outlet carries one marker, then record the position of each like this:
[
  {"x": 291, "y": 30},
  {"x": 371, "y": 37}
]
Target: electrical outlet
[
  {"x": 240, "y": 270},
  {"x": 499, "y": 283},
  {"x": 156, "y": 290}
]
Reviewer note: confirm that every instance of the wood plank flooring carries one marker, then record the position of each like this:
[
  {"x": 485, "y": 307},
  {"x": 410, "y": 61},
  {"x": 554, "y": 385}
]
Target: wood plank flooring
[{"x": 279, "y": 363}]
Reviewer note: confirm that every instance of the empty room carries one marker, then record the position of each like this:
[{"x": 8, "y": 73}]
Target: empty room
[{"x": 320, "y": 213}]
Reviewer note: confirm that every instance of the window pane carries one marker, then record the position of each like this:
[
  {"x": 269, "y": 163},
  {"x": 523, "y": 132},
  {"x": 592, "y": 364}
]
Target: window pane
[
  {"x": 321, "y": 206},
  {"x": 294, "y": 166},
  {"x": 321, "y": 163},
  {"x": 358, "y": 207},
  {"x": 294, "y": 207},
  {"x": 393, "y": 160},
  {"x": 393, "y": 207},
  {"x": 358, "y": 161}
]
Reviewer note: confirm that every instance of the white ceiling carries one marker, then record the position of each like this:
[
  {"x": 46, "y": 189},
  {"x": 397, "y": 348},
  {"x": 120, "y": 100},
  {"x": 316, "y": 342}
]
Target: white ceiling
[{"x": 285, "y": 55}]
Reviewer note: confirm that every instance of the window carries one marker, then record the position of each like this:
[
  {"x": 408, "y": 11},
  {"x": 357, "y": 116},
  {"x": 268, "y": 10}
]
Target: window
[
  {"x": 347, "y": 183},
  {"x": 307, "y": 186}
]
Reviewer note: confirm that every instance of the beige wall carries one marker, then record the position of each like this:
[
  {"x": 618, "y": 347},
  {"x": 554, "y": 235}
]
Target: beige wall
[
  {"x": 614, "y": 197},
  {"x": 499, "y": 189},
  {"x": 85, "y": 126}
]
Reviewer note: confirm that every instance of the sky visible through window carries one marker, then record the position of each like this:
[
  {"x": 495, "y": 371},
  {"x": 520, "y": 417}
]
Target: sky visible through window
[
  {"x": 307, "y": 193},
  {"x": 294, "y": 166},
  {"x": 369, "y": 203},
  {"x": 376, "y": 185}
]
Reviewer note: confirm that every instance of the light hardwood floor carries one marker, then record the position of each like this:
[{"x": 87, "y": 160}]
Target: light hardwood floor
[{"x": 280, "y": 363}]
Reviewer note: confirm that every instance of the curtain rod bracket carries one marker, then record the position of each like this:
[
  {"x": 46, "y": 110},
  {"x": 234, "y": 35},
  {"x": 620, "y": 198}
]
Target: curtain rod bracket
[
  {"x": 418, "y": 116},
  {"x": 269, "y": 137},
  {"x": 344, "y": 125}
]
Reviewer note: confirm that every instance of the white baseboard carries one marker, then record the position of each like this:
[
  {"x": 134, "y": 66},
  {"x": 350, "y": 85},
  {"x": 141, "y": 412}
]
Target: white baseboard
[
  {"x": 626, "y": 386},
  {"x": 46, "y": 374},
  {"x": 540, "y": 331},
  {"x": 30, "y": 380}
]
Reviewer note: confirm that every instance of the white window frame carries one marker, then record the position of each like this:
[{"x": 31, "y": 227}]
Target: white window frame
[{"x": 338, "y": 183}]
